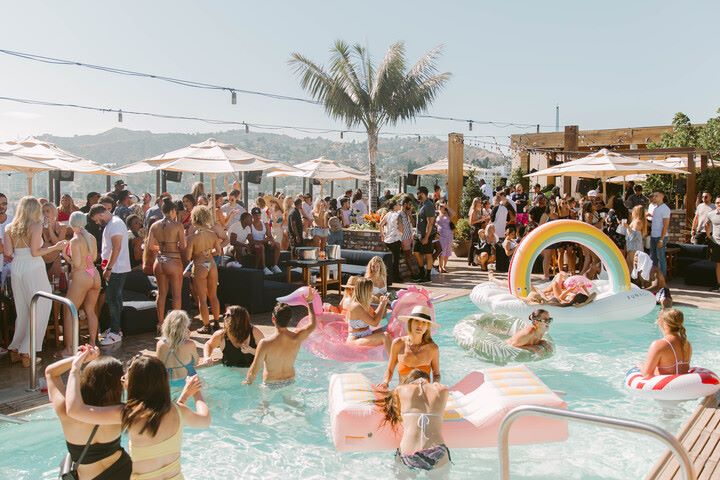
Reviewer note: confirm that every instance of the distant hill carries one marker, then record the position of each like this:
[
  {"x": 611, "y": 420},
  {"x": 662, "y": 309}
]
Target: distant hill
[{"x": 120, "y": 146}]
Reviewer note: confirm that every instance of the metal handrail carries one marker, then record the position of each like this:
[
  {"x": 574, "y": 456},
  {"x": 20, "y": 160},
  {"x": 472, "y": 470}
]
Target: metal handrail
[
  {"x": 33, "y": 327},
  {"x": 611, "y": 422}
]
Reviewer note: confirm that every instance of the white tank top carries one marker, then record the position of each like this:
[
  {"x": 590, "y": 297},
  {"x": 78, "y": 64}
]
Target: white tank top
[{"x": 258, "y": 235}]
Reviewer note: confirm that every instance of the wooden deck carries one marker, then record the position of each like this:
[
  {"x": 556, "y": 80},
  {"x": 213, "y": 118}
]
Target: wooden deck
[{"x": 701, "y": 438}]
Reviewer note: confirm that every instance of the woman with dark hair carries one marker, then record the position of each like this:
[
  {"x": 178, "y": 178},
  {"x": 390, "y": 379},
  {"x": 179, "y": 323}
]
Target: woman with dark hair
[
  {"x": 419, "y": 405},
  {"x": 66, "y": 208},
  {"x": 153, "y": 422},
  {"x": 166, "y": 238},
  {"x": 237, "y": 339},
  {"x": 414, "y": 351},
  {"x": 189, "y": 202},
  {"x": 197, "y": 190},
  {"x": 100, "y": 386}
]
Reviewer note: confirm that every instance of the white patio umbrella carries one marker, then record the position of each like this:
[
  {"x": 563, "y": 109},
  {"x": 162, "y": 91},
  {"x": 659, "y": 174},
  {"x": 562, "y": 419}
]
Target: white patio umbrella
[
  {"x": 209, "y": 157},
  {"x": 441, "y": 168},
  {"x": 48, "y": 153},
  {"x": 12, "y": 163},
  {"x": 323, "y": 169},
  {"x": 605, "y": 164}
]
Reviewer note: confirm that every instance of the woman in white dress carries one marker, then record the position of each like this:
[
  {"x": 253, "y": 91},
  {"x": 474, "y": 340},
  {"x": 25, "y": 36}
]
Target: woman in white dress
[
  {"x": 24, "y": 242},
  {"x": 275, "y": 215}
]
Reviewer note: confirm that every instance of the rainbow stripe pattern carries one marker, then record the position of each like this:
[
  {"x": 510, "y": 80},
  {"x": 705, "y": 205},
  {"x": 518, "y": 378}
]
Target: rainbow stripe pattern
[{"x": 566, "y": 231}]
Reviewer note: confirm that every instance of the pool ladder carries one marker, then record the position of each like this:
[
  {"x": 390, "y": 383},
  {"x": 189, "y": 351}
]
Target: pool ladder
[{"x": 582, "y": 417}]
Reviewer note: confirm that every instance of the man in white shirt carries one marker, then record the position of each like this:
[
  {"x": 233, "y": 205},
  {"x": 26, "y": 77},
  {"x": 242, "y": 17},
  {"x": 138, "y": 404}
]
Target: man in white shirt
[
  {"x": 307, "y": 211},
  {"x": 5, "y": 220},
  {"x": 486, "y": 189},
  {"x": 239, "y": 232},
  {"x": 232, "y": 209},
  {"x": 701, "y": 212},
  {"x": 498, "y": 216},
  {"x": 659, "y": 216},
  {"x": 115, "y": 264}
]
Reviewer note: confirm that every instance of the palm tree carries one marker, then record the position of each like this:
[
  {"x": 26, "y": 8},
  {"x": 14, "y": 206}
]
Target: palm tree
[{"x": 359, "y": 93}]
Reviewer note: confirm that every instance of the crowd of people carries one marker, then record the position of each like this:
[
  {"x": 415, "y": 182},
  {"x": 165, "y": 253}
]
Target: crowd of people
[{"x": 89, "y": 251}]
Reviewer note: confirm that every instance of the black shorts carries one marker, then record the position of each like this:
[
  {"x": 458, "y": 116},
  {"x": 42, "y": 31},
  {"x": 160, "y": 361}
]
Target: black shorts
[
  {"x": 714, "y": 251},
  {"x": 422, "y": 249}
]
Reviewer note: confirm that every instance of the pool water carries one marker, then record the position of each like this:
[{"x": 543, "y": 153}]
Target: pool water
[{"x": 293, "y": 442}]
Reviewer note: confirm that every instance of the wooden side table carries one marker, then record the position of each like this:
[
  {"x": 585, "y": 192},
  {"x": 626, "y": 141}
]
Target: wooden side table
[{"x": 323, "y": 281}]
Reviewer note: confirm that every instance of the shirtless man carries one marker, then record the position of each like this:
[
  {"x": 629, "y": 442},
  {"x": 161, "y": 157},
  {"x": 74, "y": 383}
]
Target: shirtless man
[
  {"x": 532, "y": 335},
  {"x": 277, "y": 353}
]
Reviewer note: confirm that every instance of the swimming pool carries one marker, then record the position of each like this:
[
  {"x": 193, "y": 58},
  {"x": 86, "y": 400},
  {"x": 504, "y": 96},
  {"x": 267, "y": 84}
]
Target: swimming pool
[{"x": 293, "y": 442}]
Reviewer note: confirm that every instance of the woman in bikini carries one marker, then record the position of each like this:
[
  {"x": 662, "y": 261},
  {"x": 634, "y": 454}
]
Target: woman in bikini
[
  {"x": 53, "y": 232},
  {"x": 320, "y": 222},
  {"x": 153, "y": 422},
  {"x": 361, "y": 317},
  {"x": 189, "y": 203},
  {"x": 166, "y": 239},
  {"x": 238, "y": 340},
  {"x": 175, "y": 349},
  {"x": 84, "y": 288},
  {"x": 416, "y": 350},
  {"x": 419, "y": 405},
  {"x": 671, "y": 354},
  {"x": 201, "y": 244},
  {"x": 376, "y": 272}
]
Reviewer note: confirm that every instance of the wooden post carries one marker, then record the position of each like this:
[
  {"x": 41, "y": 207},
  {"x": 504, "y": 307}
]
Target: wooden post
[
  {"x": 456, "y": 154},
  {"x": 274, "y": 185},
  {"x": 332, "y": 189},
  {"x": 690, "y": 193},
  {"x": 158, "y": 187},
  {"x": 570, "y": 144},
  {"x": 29, "y": 182},
  {"x": 245, "y": 190}
]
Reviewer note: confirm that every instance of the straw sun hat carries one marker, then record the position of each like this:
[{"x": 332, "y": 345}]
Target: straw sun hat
[{"x": 422, "y": 313}]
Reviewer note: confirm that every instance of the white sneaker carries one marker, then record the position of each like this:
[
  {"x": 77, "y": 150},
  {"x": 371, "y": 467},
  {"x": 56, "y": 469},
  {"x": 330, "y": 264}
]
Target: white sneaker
[
  {"x": 105, "y": 333},
  {"x": 267, "y": 271},
  {"x": 434, "y": 271},
  {"x": 111, "y": 338},
  {"x": 276, "y": 269}
]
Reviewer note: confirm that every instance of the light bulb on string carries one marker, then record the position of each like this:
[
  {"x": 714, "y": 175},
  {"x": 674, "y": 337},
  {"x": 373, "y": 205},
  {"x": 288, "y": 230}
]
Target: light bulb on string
[
  {"x": 341, "y": 134},
  {"x": 247, "y": 127},
  {"x": 233, "y": 97},
  {"x": 120, "y": 116},
  {"x": 418, "y": 138},
  {"x": 470, "y": 125}
]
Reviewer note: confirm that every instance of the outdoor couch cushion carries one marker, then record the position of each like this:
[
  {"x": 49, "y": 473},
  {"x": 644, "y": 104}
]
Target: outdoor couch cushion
[
  {"x": 360, "y": 258},
  {"x": 701, "y": 272}
]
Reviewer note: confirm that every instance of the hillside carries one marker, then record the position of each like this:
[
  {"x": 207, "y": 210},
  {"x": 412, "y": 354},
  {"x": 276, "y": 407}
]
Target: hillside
[{"x": 120, "y": 146}]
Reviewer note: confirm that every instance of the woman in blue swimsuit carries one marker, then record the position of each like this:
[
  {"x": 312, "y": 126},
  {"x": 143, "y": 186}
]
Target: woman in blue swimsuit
[{"x": 175, "y": 349}]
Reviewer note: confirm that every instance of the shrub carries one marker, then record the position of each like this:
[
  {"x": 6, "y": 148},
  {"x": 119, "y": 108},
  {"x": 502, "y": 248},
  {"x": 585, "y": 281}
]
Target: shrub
[
  {"x": 463, "y": 231},
  {"x": 470, "y": 191}
]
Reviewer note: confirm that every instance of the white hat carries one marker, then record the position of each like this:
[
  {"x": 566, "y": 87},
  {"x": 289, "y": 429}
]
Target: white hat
[
  {"x": 422, "y": 313},
  {"x": 592, "y": 193}
]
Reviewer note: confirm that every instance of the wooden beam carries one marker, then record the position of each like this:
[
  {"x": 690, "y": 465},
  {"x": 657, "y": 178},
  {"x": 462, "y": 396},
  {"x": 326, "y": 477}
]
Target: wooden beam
[
  {"x": 456, "y": 154},
  {"x": 690, "y": 194},
  {"x": 570, "y": 143},
  {"x": 703, "y": 163}
]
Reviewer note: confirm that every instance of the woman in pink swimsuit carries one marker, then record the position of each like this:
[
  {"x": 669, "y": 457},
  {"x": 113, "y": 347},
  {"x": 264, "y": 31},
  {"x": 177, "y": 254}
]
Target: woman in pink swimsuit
[
  {"x": 84, "y": 287},
  {"x": 671, "y": 354}
]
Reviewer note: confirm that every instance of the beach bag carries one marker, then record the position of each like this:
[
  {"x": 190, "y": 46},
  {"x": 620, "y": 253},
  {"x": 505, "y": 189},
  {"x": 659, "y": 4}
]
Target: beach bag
[{"x": 68, "y": 468}]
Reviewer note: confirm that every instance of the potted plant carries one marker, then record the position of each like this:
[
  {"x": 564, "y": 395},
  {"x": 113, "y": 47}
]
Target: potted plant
[{"x": 461, "y": 238}]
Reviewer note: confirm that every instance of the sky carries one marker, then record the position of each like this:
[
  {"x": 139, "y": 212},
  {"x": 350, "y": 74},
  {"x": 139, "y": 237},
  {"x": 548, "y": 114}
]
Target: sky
[{"x": 606, "y": 64}]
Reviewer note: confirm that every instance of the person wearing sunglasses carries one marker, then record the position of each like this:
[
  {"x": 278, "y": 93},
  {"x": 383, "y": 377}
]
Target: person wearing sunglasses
[{"x": 532, "y": 334}]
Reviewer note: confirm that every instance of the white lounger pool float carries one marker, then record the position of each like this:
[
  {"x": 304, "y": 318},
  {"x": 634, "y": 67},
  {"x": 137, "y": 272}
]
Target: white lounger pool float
[
  {"x": 616, "y": 298},
  {"x": 477, "y": 405}
]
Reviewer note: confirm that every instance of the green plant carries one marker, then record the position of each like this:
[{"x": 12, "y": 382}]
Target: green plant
[
  {"x": 463, "y": 231},
  {"x": 357, "y": 92},
  {"x": 471, "y": 190},
  {"x": 709, "y": 181},
  {"x": 518, "y": 176}
]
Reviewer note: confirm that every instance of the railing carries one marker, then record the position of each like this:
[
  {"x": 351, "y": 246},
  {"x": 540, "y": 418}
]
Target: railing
[
  {"x": 33, "y": 327},
  {"x": 611, "y": 422}
]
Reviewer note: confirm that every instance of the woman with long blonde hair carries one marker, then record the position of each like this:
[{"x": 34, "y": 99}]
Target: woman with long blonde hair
[
  {"x": 201, "y": 244},
  {"x": 198, "y": 190},
  {"x": 277, "y": 217},
  {"x": 175, "y": 349},
  {"x": 362, "y": 318},
  {"x": 634, "y": 233},
  {"x": 84, "y": 288},
  {"x": 671, "y": 354},
  {"x": 376, "y": 271},
  {"x": 287, "y": 206},
  {"x": 24, "y": 242},
  {"x": 320, "y": 223},
  {"x": 53, "y": 232},
  {"x": 475, "y": 218}
]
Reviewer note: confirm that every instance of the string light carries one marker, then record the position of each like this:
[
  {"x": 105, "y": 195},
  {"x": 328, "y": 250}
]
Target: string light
[
  {"x": 470, "y": 125},
  {"x": 341, "y": 134},
  {"x": 247, "y": 128},
  {"x": 233, "y": 97},
  {"x": 120, "y": 116},
  {"x": 233, "y": 90}
]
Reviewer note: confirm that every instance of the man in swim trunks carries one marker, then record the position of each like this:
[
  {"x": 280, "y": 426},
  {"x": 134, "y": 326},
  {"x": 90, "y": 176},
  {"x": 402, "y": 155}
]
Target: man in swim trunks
[
  {"x": 277, "y": 353},
  {"x": 532, "y": 335}
]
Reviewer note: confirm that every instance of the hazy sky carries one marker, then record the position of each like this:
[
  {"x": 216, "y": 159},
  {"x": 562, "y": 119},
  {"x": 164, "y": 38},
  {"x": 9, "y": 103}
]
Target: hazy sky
[{"x": 607, "y": 64}]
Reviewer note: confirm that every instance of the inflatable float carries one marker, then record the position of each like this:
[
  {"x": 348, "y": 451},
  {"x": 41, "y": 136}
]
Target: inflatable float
[
  {"x": 616, "y": 298},
  {"x": 475, "y": 409},
  {"x": 697, "y": 383},
  {"x": 329, "y": 339},
  {"x": 485, "y": 335}
]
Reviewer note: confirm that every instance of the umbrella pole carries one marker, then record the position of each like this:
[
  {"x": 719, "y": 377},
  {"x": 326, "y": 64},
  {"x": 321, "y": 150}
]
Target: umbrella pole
[
  {"x": 332, "y": 188},
  {"x": 212, "y": 197},
  {"x": 29, "y": 182},
  {"x": 274, "y": 187}
]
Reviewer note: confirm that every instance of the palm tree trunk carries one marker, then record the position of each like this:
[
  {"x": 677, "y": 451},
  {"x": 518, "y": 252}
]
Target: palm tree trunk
[{"x": 372, "y": 163}]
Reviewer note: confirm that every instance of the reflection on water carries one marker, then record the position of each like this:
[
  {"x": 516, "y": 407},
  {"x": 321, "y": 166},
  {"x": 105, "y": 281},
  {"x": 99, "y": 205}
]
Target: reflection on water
[{"x": 248, "y": 440}]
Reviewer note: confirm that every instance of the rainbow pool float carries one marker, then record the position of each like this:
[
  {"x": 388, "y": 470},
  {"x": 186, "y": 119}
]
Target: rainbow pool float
[{"x": 616, "y": 298}]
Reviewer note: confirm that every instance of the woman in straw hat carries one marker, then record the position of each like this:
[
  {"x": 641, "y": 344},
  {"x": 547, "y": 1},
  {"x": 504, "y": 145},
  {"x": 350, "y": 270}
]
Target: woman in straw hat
[
  {"x": 416, "y": 350},
  {"x": 362, "y": 318}
]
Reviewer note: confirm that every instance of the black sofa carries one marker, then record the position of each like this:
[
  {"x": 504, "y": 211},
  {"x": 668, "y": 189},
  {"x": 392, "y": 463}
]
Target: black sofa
[
  {"x": 693, "y": 264},
  {"x": 139, "y": 313},
  {"x": 356, "y": 262},
  {"x": 251, "y": 289}
]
